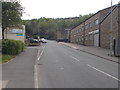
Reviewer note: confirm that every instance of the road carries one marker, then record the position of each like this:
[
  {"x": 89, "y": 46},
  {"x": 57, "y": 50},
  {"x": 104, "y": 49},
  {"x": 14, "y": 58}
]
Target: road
[
  {"x": 64, "y": 67},
  {"x": 59, "y": 66}
]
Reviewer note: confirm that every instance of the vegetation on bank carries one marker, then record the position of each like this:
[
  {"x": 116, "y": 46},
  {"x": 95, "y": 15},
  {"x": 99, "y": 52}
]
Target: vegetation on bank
[
  {"x": 11, "y": 17},
  {"x": 6, "y": 58},
  {"x": 11, "y": 48}
]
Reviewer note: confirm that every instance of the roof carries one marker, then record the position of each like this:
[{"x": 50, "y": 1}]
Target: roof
[{"x": 114, "y": 6}]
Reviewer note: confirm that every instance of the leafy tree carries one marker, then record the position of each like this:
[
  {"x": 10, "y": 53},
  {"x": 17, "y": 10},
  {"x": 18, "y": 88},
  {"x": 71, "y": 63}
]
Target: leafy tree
[
  {"x": 48, "y": 27},
  {"x": 11, "y": 15}
]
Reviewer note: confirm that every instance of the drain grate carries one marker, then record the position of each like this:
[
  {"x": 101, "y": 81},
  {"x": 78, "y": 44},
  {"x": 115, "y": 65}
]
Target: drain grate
[{"x": 40, "y": 64}]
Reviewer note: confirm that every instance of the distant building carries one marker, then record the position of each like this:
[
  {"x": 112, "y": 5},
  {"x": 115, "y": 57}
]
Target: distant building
[
  {"x": 96, "y": 30},
  {"x": 15, "y": 33},
  {"x": 61, "y": 35},
  {"x": 68, "y": 34},
  {"x": 64, "y": 35}
]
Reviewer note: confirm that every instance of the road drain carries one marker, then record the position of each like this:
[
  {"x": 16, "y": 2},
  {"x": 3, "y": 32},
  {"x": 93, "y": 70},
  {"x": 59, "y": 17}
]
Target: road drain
[{"x": 40, "y": 64}]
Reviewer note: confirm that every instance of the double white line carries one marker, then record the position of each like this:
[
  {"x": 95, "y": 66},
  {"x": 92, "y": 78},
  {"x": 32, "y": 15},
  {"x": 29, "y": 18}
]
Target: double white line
[
  {"x": 36, "y": 68},
  {"x": 39, "y": 56}
]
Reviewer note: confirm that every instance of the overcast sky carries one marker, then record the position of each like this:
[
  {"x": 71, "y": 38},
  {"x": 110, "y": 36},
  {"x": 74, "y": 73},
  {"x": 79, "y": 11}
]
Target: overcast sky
[{"x": 62, "y": 8}]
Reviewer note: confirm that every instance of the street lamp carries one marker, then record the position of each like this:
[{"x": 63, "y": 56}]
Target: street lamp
[{"x": 111, "y": 37}]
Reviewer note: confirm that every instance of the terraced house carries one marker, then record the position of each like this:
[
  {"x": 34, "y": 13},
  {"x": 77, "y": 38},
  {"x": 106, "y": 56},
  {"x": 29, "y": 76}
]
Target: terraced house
[{"x": 96, "y": 30}]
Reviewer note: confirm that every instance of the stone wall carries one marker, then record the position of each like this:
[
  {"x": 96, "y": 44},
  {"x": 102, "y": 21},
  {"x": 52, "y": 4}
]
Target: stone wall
[
  {"x": 98, "y": 24},
  {"x": 105, "y": 29}
]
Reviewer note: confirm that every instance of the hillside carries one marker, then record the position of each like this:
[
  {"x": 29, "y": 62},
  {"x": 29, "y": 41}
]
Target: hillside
[{"x": 47, "y": 27}]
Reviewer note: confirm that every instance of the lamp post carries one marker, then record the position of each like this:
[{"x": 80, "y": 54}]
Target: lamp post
[{"x": 111, "y": 37}]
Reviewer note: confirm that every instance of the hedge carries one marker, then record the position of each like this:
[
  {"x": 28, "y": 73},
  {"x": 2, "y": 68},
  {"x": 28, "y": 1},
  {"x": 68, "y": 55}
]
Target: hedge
[{"x": 12, "y": 47}]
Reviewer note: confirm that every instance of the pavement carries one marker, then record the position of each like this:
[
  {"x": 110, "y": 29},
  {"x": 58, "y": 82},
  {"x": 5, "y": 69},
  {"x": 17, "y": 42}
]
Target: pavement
[
  {"x": 19, "y": 72},
  {"x": 97, "y": 51}
]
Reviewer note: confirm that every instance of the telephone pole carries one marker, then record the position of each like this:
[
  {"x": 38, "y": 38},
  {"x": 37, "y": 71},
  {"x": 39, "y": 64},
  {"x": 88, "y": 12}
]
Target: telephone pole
[{"x": 111, "y": 37}]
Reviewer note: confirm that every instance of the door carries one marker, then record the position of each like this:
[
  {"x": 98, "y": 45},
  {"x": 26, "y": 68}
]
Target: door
[{"x": 96, "y": 40}]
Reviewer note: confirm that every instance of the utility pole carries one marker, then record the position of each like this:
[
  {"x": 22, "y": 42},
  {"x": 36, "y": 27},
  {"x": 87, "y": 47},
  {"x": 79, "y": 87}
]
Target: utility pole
[{"x": 111, "y": 37}]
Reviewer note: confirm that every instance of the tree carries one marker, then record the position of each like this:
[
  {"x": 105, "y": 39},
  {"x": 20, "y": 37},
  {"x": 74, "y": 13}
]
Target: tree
[
  {"x": 11, "y": 15},
  {"x": 48, "y": 27}
]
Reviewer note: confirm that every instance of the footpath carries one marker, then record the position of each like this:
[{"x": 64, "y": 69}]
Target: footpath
[
  {"x": 19, "y": 72},
  {"x": 97, "y": 51}
]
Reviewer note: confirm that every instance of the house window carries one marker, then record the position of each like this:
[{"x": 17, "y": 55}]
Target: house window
[
  {"x": 91, "y": 24},
  {"x": 82, "y": 39},
  {"x": 80, "y": 30},
  {"x": 77, "y": 31},
  {"x": 86, "y": 37},
  {"x": 96, "y": 22},
  {"x": 86, "y": 26},
  {"x": 91, "y": 37}
]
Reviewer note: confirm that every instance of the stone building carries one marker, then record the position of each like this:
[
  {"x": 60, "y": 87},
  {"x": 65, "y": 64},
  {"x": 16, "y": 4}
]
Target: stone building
[
  {"x": 77, "y": 34},
  {"x": 96, "y": 30},
  {"x": 61, "y": 35},
  {"x": 105, "y": 27},
  {"x": 64, "y": 35}
]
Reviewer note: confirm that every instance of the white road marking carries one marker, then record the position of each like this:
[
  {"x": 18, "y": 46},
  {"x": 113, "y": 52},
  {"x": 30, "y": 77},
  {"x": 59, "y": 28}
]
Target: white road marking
[
  {"x": 103, "y": 72},
  {"x": 35, "y": 68},
  {"x": 41, "y": 53},
  {"x": 74, "y": 47},
  {"x": 36, "y": 76},
  {"x": 75, "y": 58},
  {"x": 38, "y": 53},
  {"x": 61, "y": 68}
]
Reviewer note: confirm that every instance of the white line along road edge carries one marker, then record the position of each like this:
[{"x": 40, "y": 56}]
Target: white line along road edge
[{"x": 103, "y": 72}]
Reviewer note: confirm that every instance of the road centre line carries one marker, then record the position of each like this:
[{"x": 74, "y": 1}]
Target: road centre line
[
  {"x": 96, "y": 69},
  {"x": 38, "y": 53},
  {"x": 36, "y": 76},
  {"x": 35, "y": 68},
  {"x": 41, "y": 53},
  {"x": 75, "y": 58},
  {"x": 103, "y": 72}
]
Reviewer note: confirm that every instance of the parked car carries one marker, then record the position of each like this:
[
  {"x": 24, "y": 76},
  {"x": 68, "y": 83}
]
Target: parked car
[
  {"x": 43, "y": 40},
  {"x": 33, "y": 42}
]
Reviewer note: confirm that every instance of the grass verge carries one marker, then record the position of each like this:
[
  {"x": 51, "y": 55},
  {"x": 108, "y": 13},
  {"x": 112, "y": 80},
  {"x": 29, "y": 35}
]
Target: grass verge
[{"x": 6, "y": 58}]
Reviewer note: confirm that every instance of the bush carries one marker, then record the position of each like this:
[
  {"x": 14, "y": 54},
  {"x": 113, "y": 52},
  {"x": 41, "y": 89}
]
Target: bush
[{"x": 12, "y": 47}]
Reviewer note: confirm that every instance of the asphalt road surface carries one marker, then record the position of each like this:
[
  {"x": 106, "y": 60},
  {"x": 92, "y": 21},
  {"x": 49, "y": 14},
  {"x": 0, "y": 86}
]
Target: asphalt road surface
[
  {"x": 62, "y": 67},
  {"x": 53, "y": 65}
]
